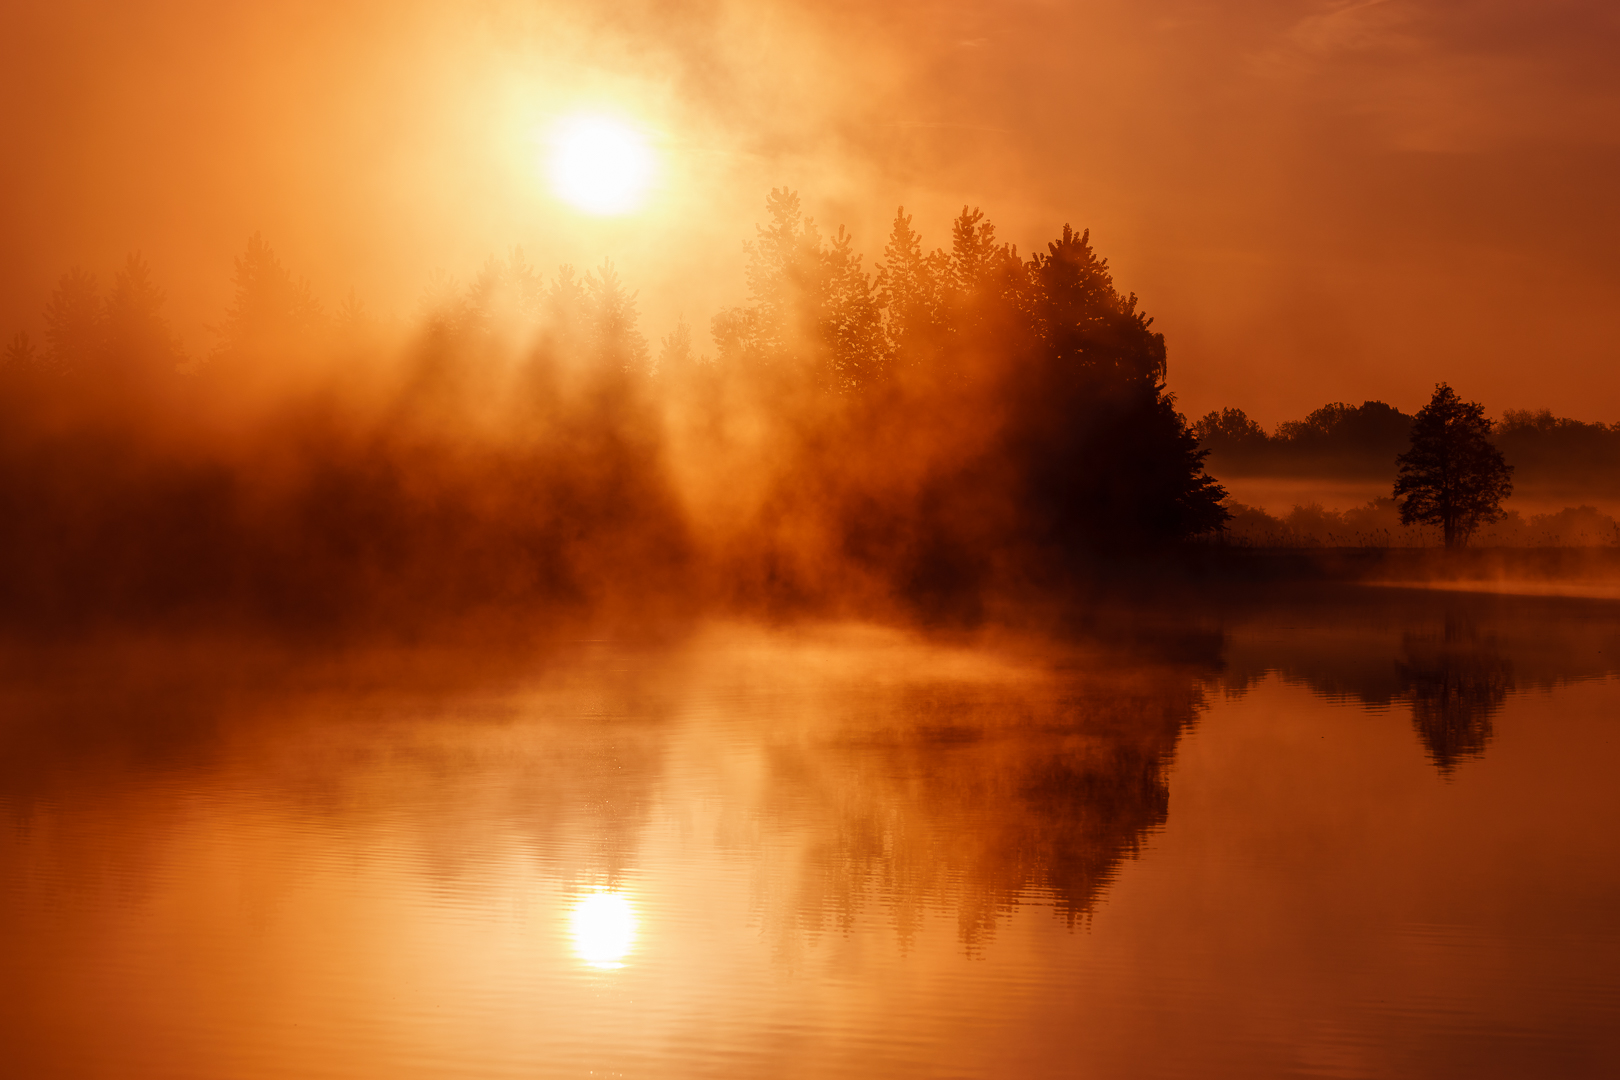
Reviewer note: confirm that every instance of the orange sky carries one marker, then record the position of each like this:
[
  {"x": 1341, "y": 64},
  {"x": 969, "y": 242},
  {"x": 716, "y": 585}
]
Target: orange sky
[{"x": 1318, "y": 200}]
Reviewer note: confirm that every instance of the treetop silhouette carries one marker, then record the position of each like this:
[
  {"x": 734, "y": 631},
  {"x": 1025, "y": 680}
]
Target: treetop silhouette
[
  {"x": 272, "y": 312},
  {"x": 1453, "y": 476},
  {"x": 73, "y": 322}
]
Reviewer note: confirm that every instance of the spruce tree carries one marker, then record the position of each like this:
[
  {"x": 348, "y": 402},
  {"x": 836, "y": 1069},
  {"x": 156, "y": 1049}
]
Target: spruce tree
[
  {"x": 273, "y": 316},
  {"x": 139, "y": 345},
  {"x": 74, "y": 329},
  {"x": 910, "y": 292}
]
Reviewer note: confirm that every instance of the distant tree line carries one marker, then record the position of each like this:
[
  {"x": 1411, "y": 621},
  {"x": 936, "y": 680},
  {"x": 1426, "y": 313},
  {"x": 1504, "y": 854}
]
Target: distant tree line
[
  {"x": 115, "y": 340},
  {"x": 1362, "y": 442}
]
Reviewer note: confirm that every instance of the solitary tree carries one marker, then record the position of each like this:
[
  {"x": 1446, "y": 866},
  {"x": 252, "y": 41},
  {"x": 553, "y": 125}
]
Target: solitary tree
[{"x": 1453, "y": 476}]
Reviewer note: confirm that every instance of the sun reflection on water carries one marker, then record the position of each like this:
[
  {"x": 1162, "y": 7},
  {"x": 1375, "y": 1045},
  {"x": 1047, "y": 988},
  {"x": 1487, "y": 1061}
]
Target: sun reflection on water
[{"x": 604, "y": 928}]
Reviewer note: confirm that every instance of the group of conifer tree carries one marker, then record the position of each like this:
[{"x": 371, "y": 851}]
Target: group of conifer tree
[
  {"x": 941, "y": 422},
  {"x": 1056, "y": 374}
]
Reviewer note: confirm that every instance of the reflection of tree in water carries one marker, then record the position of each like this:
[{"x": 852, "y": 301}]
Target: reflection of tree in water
[
  {"x": 1456, "y": 683},
  {"x": 980, "y": 799},
  {"x": 900, "y": 795},
  {"x": 437, "y": 749}
]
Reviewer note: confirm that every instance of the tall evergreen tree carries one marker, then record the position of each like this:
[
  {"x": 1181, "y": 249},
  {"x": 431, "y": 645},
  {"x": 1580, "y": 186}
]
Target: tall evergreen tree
[
  {"x": 139, "y": 344},
  {"x": 851, "y": 321},
  {"x": 814, "y": 311},
  {"x": 783, "y": 268},
  {"x": 75, "y": 331},
  {"x": 675, "y": 357},
  {"x": 566, "y": 312},
  {"x": 20, "y": 352},
  {"x": 20, "y": 365},
  {"x": 614, "y": 335},
  {"x": 1083, "y": 321},
  {"x": 910, "y": 292},
  {"x": 1453, "y": 476},
  {"x": 1106, "y": 458},
  {"x": 274, "y": 315},
  {"x": 975, "y": 256},
  {"x": 986, "y": 298},
  {"x": 351, "y": 322},
  {"x": 506, "y": 295}
]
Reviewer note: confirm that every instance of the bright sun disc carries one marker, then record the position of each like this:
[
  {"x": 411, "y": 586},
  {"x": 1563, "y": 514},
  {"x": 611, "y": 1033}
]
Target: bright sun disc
[
  {"x": 600, "y": 165},
  {"x": 604, "y": 926}
]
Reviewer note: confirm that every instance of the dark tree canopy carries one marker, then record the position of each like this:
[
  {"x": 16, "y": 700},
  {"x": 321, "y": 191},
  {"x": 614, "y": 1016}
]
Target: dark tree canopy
[
  {"x": 1453, "y": 476},
  {"x": 1371, "y": 426},
  {"x": 949, "y": 426},
  {"x": 1229, "y": 430},
  {"x": 1337, "y": 439},
  {"x": 1064, "y": 369}
]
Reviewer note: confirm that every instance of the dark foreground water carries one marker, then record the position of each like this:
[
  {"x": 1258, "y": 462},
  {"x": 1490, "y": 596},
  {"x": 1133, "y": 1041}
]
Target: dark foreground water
[{"x": 1371, "y": 834}]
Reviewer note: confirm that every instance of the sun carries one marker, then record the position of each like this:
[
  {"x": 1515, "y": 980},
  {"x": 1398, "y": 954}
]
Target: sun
[
  {"x": 600, "y": 165},
  {"x": 604, "y": 928}
]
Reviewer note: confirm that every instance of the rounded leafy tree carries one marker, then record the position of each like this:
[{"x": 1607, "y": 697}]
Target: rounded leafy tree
[{"x": 1453, "y": 476}]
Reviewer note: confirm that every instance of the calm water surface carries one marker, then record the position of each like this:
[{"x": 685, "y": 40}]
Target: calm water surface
[{"x": 1371, "y": 834}]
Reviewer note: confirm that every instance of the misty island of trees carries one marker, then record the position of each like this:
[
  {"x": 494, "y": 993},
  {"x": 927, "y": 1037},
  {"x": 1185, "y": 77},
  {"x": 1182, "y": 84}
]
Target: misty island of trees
[{"x": 950, "y": 425}]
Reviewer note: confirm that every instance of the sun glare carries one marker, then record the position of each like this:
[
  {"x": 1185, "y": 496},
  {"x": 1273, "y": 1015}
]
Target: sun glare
[
  {"x": 600, "y": 165},
  {"x": 604, "y": 928}
]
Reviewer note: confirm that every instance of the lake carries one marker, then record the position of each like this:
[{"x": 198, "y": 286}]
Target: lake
[{"x": 1329, "y": 832}]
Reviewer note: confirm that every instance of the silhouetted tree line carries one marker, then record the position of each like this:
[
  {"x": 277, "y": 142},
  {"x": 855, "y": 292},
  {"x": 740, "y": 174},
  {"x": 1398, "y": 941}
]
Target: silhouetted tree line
[
  {"x": 955, "y": 423},
  {"x": 981, "y": 415},
  {"x": 1557, "y": 452},
  {"x": 1335, "y": 440},
  {"x": 1362, "y": 441},
  {"x": 307, "y": 474}
]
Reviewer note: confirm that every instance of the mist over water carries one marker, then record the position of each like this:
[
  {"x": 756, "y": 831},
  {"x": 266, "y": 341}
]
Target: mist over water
[
  {"x": 665, "y": 539},
  {"x": 867, "y": 698},
  {"x": 1359, "y": 831}
]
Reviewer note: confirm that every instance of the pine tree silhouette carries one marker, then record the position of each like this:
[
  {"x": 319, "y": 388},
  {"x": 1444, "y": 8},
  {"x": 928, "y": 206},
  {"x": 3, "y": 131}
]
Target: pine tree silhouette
[
  {"x": 274, "y": 317},
  {"x": 75, "y": 333},
  {"x": 139, "y": 345},
  {"x": 615, "y": 338},
  {"x": 910, "y": 291}
]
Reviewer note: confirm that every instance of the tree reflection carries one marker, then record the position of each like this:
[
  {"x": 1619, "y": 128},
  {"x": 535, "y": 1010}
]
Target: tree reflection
[
  {"x": 1452, "y": 658},
  {"x": 1455, "y": 683},
  {"x": 983, "y": 799}
]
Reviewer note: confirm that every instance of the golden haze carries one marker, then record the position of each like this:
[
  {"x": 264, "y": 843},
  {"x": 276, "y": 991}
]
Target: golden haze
[{"x": 1318, "y": 201}]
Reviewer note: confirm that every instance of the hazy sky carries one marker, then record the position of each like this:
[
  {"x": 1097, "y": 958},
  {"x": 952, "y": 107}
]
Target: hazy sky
[{"x": 1317, "y": 200}]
